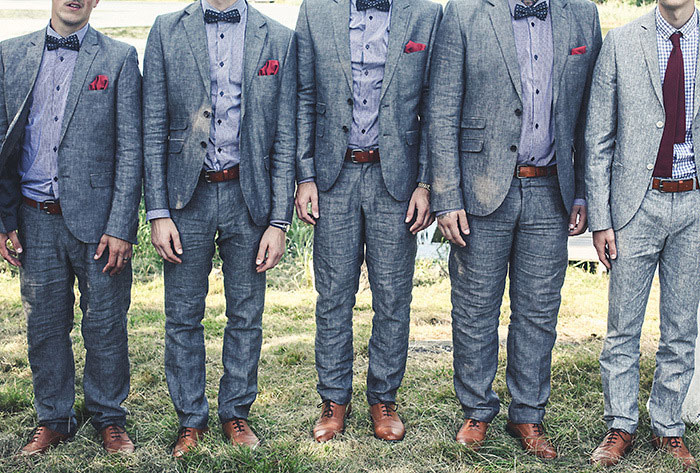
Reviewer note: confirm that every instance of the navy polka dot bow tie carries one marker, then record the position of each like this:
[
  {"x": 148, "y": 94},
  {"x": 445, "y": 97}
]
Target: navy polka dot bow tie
[
  {"x": 211, "y": 16},
  {"x": 72, "y": 42},
  {"x": 381, "y": 5},
  {"x": 540, "y": 11}
]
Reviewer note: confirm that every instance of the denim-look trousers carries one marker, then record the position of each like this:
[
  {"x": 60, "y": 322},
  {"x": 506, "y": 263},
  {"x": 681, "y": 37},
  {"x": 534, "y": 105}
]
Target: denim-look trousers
[
  {"x": 664, "y": 233},
  {"x": 360, "y": 219},
  {"x": 526, "y": 238},
  {"x": 52, "y": 259},
  {"x": 215, "y": 216}
]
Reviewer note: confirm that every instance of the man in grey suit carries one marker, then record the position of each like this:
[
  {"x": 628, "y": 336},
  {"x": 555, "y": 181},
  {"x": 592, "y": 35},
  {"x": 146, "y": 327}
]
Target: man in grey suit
[
  {"x": 362, "y": 170},
  {"x": 219, "y": 144},
  {"x": 642, "y": 188},
  {"x": 508, "y": 88},
  {"x": 70, "y": 186}
]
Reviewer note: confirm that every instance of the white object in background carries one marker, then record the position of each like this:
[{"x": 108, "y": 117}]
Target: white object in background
[{"x": 691, "y": 406}]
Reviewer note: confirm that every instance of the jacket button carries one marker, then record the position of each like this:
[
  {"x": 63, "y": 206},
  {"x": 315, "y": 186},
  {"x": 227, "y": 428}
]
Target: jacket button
[
  {"x": 650, "y": 166},
  {"x": 345, "y": 129},
  {"x": 204, "y": 144},
  {"x": 206, "y": 114},
  {"x": 350, "y": 102},
  {"x": 518, "y": 112},
  {"x": 514, "y": 148},
  {"x": 659, "y": 124}
]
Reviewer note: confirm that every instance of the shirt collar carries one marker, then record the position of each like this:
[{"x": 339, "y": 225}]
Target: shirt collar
[
  {"x": 80, "y": 33},
  {"x": 240, "y": 5},
  {"x": 665, "y": 29}
]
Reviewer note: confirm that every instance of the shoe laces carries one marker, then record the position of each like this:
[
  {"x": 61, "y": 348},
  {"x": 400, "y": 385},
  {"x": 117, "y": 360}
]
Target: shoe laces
[
  {"x": 473, "y": 424},
  {"x": 539, "y": 430},
  {"x": 327, "y": 409},
  {"x": 185, "y": 432},
  {"x": 36, "y": 433},
  {"x": 238, "y": 425},
  {"x": 115, "y": 432},
  {"x": 613, "y": 436},
  {"x": 674, "y": 442},
  {"x": 388, "y": 408}
]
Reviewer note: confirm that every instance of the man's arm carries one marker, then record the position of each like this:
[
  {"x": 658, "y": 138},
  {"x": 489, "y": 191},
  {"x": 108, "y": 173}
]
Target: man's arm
[
  {"x": 306, "y": 110},
  {"x": 9, "y": 177}
]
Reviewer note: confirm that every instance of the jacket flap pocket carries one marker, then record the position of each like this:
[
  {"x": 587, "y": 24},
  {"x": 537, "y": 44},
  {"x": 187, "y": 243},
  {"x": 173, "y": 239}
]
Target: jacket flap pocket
[
  {"x": 412, "y": 137},
  {"x": 103, "y": 179},
  {"x": 474, "y": 122},
  {"x": 178, "y": 123},
  {"x": 175, "y": 146},
  {"x": 472, "y": 146},
  {"x": 320, "y": 108}
]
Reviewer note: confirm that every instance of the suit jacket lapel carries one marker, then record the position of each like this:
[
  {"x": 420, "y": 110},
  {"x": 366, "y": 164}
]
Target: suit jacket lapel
[
  {"x": 561, "y": 29},
  {"x": 340, "y": 17},
  {"x": 503, "y": 27},
  {"x": 197, "y": 36},
  {"x": 255, "y": 36},
  {"x": 398, "y": 29},
  {"x": 648, "y": 39},
  {"x": 88, "y": 51}
]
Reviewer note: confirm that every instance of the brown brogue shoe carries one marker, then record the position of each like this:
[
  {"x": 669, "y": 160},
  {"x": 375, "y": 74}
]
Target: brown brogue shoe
[
  {"x": 533, "y": 439},
  {"x": 387, "y": 424},
  {"x": 116, "y": 440},
  {"x": 472, "y": 433},
  {"x": 187, "y": 439},
  {"x": 614, "y": 446},
  {"x": 332, "y": 420},
  {"x": 41, "y": 440},
  {"x": 675, "y": 446},
  {"x": 239, "y": 433}
]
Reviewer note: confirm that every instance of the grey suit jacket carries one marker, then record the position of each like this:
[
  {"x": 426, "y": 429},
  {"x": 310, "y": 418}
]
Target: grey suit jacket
[
  {"x": 100, "y": 158},
  {"x": 476, "y": 101},
  {"x": 177, "y": 113},
  {"x": 325, "y": 93},
  {"x": 625, "y": 123}
]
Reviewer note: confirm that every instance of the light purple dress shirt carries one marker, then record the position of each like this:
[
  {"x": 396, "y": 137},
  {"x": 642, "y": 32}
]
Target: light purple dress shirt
[{"x": 38, "y": 165}]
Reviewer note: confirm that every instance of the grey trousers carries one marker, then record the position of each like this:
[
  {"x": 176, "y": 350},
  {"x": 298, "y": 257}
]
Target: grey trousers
[
  {"x": 215, "y": 216},
  {"x": 359, "y": 219},
  {"x": 665, "y": 232},
  {"x": 51, "y": 261},
  {"x": 525, "y": 237}
]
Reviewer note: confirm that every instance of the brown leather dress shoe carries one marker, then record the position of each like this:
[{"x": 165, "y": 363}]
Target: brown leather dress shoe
[
  {"x": 332, "y": 420},
  {"x": 239, "y": 433},
  {"x": 532, "y": 439},
  {"x": 42, "y": 439},
  {"x": 116, "y": 440},
  {"x": 614, "y": 446},
  {"x": 675, "y": 447},
  {"x": 187, "y": 439},
  {"x": 387, "y": 424},
  {"x": 472, "y": 433}
]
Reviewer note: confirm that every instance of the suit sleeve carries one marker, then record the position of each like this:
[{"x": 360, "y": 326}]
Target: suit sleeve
[
  {"x": 155, "y": 122},
  {"x": 9, "y": 176},
  {"x": 306, "y": 112},
  {"x": 579, "y": 158},
  {"x": 423, "y": 168},
  {"x": 447, "y": 81},
  {"x": 282, "y": 161},
  {"x": 601, "y": 130},
  {"x": 123, "y": 219}
]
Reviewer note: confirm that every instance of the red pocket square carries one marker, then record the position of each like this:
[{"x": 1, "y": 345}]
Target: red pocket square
[
  {"x": 270, "y": 68},
  {"x": 100, "y": 83},
  {"x": 579, "y": 50},
  {"x": 412, "y": 47}
]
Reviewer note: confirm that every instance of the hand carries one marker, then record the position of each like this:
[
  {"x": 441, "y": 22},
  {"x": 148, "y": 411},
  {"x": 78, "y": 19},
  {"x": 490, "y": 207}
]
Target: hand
[
  {"x": 119, "y": 254},
  {"x": 453, "y": 224},
  {"x": 578, "y": 221},
  {"x": 11, "y": 255},
  {"x": 166, "y": 239},
  {"x": 271, "y": 249},
  {"x": 307, "y": 193},
  {"x": 420, "y": 207},
  {"x": 604, "y": 243}
]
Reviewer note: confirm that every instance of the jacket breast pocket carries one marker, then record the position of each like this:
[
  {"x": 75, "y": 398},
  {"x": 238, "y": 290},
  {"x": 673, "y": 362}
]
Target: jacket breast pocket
[{"x": 103, "y": 179}]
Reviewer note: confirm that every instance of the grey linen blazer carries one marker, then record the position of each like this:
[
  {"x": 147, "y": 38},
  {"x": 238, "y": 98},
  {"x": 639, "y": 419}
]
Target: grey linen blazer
[
  {"x": 177, "y": 113},
  {"x": 625, "y": 123},
  {"x": 476, "y": 101},
  {"x": 326, "y": 97},
  {"x": 100, "y": 158}
]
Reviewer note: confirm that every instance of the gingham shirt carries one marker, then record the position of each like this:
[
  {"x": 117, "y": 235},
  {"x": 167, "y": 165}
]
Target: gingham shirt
[{"x": 683, "y": 153}]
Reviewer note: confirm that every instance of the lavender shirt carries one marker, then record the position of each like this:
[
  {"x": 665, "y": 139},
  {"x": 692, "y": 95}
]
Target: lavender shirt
[{"x": 38, "y": 165}]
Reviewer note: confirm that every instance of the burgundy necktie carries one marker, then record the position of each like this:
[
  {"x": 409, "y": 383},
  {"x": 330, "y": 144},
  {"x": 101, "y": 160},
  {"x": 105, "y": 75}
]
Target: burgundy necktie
[{"x": 674, "y": 103}]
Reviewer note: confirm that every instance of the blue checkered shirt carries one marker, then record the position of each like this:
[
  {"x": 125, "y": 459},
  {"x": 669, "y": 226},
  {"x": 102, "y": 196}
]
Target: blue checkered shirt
[{"x": 683, "y": 153}]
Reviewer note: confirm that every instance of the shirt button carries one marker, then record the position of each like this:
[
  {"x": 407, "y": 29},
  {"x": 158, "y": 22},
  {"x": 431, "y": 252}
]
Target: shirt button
[
  {"x": 366, "y": 46},
  {"x": 537, "y": 125},
  {"x": 219, "y": 150},
  {"x": 537, "y": 91},
  {"x": 363, "y": 130},
  {"x": 532, "y": 158},
  {"x": 55, "y": 179},
  {"x": 222, "y": 36},
  {"x": 536, "y": 57},
  {"x": 55, "y": 148},
  {"x": 206, "y": 114},
  {"x": 366, "y": 72},
  {"x": 221, "y": 64},
  {"x": 371, "y": 17},
  {"x": 650, "y": 166},
  {"x": 60, "y": 58},
  {"x": 55, "y": 119},
  {"x": 514, "y": 148},
  {"x": 221, "y": 93},
  {"x": 58, "y": 87},
  {"x": 532, "y": 24},
  {"x": 364, "y": 101},
  {"x": 203, "y": 144},
  {"x": 219, "y": 122},
  {"x": 659, "y": 124}
]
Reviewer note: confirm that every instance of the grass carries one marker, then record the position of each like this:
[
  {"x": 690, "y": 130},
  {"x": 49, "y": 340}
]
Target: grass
[{"x": 286, "y": 407}]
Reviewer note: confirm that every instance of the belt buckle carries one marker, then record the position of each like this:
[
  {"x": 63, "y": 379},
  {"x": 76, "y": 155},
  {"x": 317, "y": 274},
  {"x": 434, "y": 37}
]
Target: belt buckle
[
  {"x": 661, "y": 184},
  {"x": 517, "y": 170},
  {"x": 45, "y": 204},
  {"x": 206, "y": 177},
  {"x": 352, "y": 155}
]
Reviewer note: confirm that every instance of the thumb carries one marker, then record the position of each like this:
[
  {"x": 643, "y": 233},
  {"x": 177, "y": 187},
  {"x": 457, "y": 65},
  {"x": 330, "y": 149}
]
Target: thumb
[
  {"x": 612, "y": 248},
  {"x": 177, "y": 244},
  {"x": 15, "y": 242},
  {"x": 101, "y": 248},
  {"x": 261, "y": 252},
  {"x": 411, "y": 210},
  {"x": 314, "y": 204},
  {"x": 463, "y": 223}
]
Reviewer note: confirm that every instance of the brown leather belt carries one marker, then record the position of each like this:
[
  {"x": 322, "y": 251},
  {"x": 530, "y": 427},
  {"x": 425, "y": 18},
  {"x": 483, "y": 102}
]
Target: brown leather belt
[
  {"x": 221, "y": 176},
  {"x": 523, "y": 172},
  {"x": 674, "y": 185},
  {"x": 51, "y": 207},
  {"x": 360, "y": 156}
]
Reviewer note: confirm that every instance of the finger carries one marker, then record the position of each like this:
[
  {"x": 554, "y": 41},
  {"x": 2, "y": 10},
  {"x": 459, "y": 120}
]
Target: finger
[
  {"x": 5, "y": 252},
  {"x": 118, "y": 264},
  {"x": 458, "y": 235},
  {"x": 411, "y": 211},
  {"x": 270, "y": 262},
  {"x": 169, "y": 254},
  {"x": 15, "y": 242},
  {"x": 100, "y": 248},
  {"x": 445, "y": 230},
  {"x": 573, "y": 220},
  {"x": 303, "y": 212},
  {"x": 612, "y": 248},
  {"x": 112, "y": 261},
  {"x": 422, "y": 213},
  {"x": 602, "y": 257},
  {"x": 431, "y": 219},
  {"x": 314, "y": 205}
]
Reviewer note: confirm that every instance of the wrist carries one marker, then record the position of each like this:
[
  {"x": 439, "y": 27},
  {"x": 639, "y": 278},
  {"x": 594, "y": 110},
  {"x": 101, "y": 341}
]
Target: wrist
[{"x": 424, "y": 185}]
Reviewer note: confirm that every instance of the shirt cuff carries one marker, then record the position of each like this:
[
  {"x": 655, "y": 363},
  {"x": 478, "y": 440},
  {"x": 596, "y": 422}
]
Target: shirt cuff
[
  {"x": 581, "y": 202},
  {"x": 157, "y": 213},
  {"x": 308, "y": 179},
  {"x": 443, "y": 212}
]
